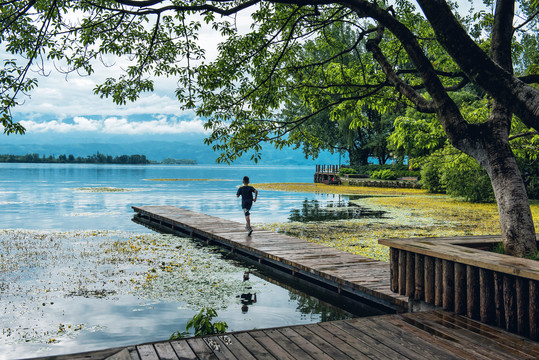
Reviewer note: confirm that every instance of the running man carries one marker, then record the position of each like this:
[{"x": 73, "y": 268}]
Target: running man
[{"x": 247, "y": 200}]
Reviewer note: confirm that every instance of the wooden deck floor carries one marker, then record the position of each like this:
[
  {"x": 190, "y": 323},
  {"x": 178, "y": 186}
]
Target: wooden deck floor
[
  {"x": 425, "y": 336},
  {"x": 345, "y": 272}
]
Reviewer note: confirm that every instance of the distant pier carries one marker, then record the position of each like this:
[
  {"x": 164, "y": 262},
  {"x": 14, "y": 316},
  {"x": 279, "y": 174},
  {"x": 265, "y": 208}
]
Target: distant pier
[{"x": 327, "y": 174}]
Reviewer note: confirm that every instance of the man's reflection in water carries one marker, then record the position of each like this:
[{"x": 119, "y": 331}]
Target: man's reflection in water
[{"x": 247, "y": 298}]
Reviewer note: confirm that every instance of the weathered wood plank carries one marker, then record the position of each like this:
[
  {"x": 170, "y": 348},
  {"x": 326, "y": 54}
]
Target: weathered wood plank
[
  {"x": 254, "y": 348},
  {"x": 360, "y": 341},
  {"x": 502, "y": 337},
  {"x": 165, "y": 351},
  {"x": 304, "y": 344},
  {"x": 444, "y": 325},
  {"x": 201, "y": 349},
  {"x": 147, "y": 352},
  {"x": 461, "y": 351},
  {"x": 326, "y": 345},
  {"x": 404, "y": 343},
  {"x": 183, "y": 350},
  {"x": 219, "y": 348},
  {"x": 235, "y": 347},
  {"x": 271, "y": 346}
]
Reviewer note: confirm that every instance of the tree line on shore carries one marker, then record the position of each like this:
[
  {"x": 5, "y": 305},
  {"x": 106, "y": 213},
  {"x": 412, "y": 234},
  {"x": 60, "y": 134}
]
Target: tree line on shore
[{"x": 90, "y": 159}]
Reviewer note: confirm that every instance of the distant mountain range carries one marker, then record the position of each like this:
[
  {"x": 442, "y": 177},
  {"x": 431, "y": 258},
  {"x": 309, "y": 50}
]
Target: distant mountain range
[{"x": 159, "y": 150}]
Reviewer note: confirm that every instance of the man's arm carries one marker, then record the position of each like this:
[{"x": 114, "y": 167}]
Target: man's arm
[{"x": 256, "y": 195}]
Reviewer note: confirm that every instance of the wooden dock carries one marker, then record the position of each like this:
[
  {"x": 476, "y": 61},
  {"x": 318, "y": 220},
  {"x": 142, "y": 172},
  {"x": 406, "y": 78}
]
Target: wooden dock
[
  {"x": 422, "y": 336},
  {"x": 350, "y": 275}
]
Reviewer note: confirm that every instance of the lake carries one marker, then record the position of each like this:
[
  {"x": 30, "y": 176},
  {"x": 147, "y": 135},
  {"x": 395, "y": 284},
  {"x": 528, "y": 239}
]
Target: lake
[{"x": 76, "y": 274}]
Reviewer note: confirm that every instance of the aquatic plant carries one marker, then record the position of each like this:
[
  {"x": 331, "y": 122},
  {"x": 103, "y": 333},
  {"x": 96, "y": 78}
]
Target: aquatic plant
[{"x": 202, "y": 325}]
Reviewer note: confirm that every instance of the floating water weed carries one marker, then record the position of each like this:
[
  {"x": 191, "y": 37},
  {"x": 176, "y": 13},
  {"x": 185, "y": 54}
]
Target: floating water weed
[
  {"x": 45, "y": 274},
  {"x": 105, "y": 189},
  {"x": 408, "y": 213}
]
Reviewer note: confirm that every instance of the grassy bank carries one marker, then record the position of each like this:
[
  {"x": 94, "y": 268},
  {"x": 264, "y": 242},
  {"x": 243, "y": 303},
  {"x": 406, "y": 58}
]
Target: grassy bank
[{"x": 409, "y": 213}]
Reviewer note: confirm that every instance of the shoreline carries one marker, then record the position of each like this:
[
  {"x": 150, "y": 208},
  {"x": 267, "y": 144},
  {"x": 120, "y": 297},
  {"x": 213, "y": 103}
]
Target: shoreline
[{"x": 409, "y": 213}]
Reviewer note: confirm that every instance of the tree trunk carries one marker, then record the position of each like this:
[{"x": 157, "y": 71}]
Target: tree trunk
[{"x": 516, "y": 222}]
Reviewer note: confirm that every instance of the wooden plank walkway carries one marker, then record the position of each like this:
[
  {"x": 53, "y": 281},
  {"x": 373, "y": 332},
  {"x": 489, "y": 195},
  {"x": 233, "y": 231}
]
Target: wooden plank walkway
[
  {"x": 422, "y": 336},
  {"x": 346, "y": 273}
]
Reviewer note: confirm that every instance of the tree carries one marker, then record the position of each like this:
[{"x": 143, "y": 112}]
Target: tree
[
  {"x": 409, "y": 58},
  {"x": 324, "y": 131}
]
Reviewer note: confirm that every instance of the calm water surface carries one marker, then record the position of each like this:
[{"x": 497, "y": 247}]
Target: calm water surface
[
  {"x": 49, "y": 196},
  {"x": 67, "y": 284}
]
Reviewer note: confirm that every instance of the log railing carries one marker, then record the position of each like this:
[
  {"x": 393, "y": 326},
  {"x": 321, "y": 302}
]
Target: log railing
[{"x": 459, "y": 275}]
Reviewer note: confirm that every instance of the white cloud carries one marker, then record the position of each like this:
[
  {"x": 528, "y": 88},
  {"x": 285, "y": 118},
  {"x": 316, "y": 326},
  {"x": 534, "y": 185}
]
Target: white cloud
[{"x": 162, "y": 125}]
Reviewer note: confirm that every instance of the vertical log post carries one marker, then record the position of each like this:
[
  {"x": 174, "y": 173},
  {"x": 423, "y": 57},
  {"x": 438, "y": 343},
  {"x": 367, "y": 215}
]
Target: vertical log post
[
  {"x": 438, "y": 282},
  {"x": 509, "y": 301},
  {"x": 472, "y": 292},
  {"x": 402, "y": 272},
  {"x": 394, "y": 269},
  {"x": 429, "y": 279},
  {"x": 486, "y": 293},
  {"x": 410, "y": 277},
  {"x": 522, "y": 306},
  {"x": 419, "y": 277},
  {"x": 460, "y": 289},
  {"x": 448, "y": 300},
  {"x": 533, "y": 311},
  {"x": 498, "y": 300}
]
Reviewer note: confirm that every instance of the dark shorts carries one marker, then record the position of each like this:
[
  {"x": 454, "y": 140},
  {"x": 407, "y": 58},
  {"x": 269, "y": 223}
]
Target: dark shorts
[{"x": 246, "y": 207}]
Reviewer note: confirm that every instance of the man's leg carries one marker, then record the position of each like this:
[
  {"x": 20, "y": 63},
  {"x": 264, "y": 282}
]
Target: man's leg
[{"x": 248, "y": 219}]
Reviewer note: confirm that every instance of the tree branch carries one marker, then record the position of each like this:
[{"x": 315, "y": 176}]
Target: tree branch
[
  {"x": 520, "y": 98},
  {"x": 525, "y": 134},
  {"x": 530, "y": 79},
  {"x": 419, "y": 101}
]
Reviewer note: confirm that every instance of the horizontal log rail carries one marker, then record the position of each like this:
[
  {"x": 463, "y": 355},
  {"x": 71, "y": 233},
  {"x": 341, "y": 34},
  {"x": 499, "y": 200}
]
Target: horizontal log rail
[{"x": 458, "y": 275}]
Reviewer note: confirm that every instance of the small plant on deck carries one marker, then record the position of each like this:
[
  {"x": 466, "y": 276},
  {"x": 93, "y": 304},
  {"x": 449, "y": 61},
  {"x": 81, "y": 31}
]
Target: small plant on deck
[{"x": 202, "y": 325}]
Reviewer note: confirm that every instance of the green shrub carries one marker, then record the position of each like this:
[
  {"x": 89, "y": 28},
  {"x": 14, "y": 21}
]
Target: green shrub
[
  {"x": 431, "y": 177},
  {"x": 386, "y": 174},
  {"x": 407, "y": 173},
  {"x": 464, "y": 177},
  {"x": 457, "y": 175},
  {"x": 347, "y": 171}
]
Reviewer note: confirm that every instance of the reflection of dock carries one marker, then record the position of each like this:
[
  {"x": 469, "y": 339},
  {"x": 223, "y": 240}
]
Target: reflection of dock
[
  {"x": 345, "y": 273},
  {"x": 422, "y": 336}
]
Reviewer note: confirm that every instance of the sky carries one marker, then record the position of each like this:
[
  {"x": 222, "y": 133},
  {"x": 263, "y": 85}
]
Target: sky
[{"x": 63, "y": 108}]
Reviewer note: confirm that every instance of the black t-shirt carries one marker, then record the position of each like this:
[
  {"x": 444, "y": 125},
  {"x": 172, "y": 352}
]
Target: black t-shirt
[{"x": 246, "y": 193}]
